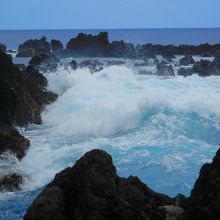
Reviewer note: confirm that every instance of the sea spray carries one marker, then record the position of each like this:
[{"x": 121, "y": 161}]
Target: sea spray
[{"x": 159, "y": 129}]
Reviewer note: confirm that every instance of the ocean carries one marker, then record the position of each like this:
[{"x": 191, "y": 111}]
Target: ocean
[
  {"x": 159, "y": 129},
  {"x": 175, "y": 36}
]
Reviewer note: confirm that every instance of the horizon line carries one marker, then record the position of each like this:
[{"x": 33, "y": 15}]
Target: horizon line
[{"x": 170, "y": 28}]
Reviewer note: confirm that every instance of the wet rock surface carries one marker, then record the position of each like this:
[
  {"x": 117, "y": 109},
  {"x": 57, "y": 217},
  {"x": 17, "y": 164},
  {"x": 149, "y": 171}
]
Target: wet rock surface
[
  {"x": 3, "y": 47},
  {"x": 187, "y": 60},
  {"x": 32, "y": 47},
  {"x": 22, "y": 98},
  {"x": 91, "y": 189},
  {"x": 164, "y": 70},
  {"x": 204, "y": 202},
  {"x": 45, "y": 62}
]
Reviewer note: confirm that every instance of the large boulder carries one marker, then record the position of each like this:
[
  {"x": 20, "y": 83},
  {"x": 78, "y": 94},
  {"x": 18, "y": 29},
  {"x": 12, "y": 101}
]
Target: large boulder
[
  {"x": 92, "y": 65},
  {"x": 207, "y": 68},
  {"x": 164, "y": 70},
  {"x": 204, "y": 202},
  {"x": 92, "y": 190},
  {"x": 11, "y": 182},
  {"x": 187, "y": 60},
  {"x": 3, "y": 47},
  {"x": 122, "y": 49},
  {"x": 56, "y": 45},
  {"x": 45, "y": 62},
  {"x": 73, "y": 64},
  {"x": 185, "y": 71},
  {"x": 33, "y": 47},
  {"x": 89, "y": 45}
]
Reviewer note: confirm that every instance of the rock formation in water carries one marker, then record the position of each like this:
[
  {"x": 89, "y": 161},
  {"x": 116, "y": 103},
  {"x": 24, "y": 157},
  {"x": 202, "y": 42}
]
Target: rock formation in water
[
  {"x": 187, "y": 60},
  {"x": 203, "y": 68},
  {"x": 164, "y": 70},
  {"x": 89, "y": 45},
  {"x": 92, "y": 190},
  {"x": 204, "y": 202},
  {"x": 22, "y": 98},
  {"x": 3, "y": 47},
  {"x": 45, "y": 62},
  {"x": 56, "y": 45},
  {"x": 32, "y": 47}
]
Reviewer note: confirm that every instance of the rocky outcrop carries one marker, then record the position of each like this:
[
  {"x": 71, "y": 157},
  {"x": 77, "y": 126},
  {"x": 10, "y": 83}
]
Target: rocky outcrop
[
  {"x": 3, "y": 47},
  {"x": 92, "y": 190},
  {"x": 121, "y": 49},
  {"x": 164, "y": 70},
  {"x": 185, "y": 72},
  {"x": 56, "y": 45},
  {"x": 73, "y": 64},
  {"x": 204, "y": 202},
  {"x": 45, "y": 62},
  {"x": 89, "y": 45},
  {"x": 22, "y": 98},
  {"x": 10, "y": 182},
  {"x": 32, "y": 47},
  {"x": 93, "y": 65},
  {"x": 187, "y": 60}
]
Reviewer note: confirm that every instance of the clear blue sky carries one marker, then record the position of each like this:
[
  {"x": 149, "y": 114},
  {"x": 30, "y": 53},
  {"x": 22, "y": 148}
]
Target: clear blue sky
[{"x": 65, "y": 14}]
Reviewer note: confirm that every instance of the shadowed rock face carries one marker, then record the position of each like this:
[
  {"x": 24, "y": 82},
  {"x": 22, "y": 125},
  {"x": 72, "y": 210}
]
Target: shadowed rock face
[
  {"x": 3, "y": 47},
  {"x": 56, "y": 45},
  {"x": 204, "y": 202},
  {"x": 33, "y": 47},
  {"x": 22, "y": 98},
  {"x": 92, "y": 190},
  {"x": 45, "y": 62},
  {"x": 164, "y": 70},
  {"x": 187, "y": 60},
  {"x": 89, "y": 45}
]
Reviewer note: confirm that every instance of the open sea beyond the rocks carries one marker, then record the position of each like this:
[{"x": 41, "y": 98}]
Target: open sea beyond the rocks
[{"x": 159, "y": 129}]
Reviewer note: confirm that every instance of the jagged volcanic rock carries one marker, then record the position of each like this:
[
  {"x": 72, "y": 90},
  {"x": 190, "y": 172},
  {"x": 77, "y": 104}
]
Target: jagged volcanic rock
[{"x": 92, "y": 190}]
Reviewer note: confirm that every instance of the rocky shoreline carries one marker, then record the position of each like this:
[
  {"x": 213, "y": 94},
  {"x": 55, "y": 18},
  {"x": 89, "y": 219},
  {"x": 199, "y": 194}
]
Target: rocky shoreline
[
  {"x": 91, "y": 189},
  {"x": 89, "y": 46},
  {"x": 22, "y": 98}
]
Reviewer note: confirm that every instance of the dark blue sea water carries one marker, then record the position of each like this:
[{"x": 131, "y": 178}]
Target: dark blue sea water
[{"x": 156, "y": 36}]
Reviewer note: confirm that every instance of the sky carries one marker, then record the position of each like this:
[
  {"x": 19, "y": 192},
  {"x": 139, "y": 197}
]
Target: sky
[{"x": 97, "y": 14}]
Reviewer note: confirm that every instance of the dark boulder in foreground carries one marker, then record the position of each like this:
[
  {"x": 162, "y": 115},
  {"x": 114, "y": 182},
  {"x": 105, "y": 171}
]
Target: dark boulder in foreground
[
  {"x": 187, "y": 60},
  {"x": 204, "y": 202},
  {"x": 32, "y": 47},
  {"x": 3, "y": 47},
  {"x": 92, "y": 190}
]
